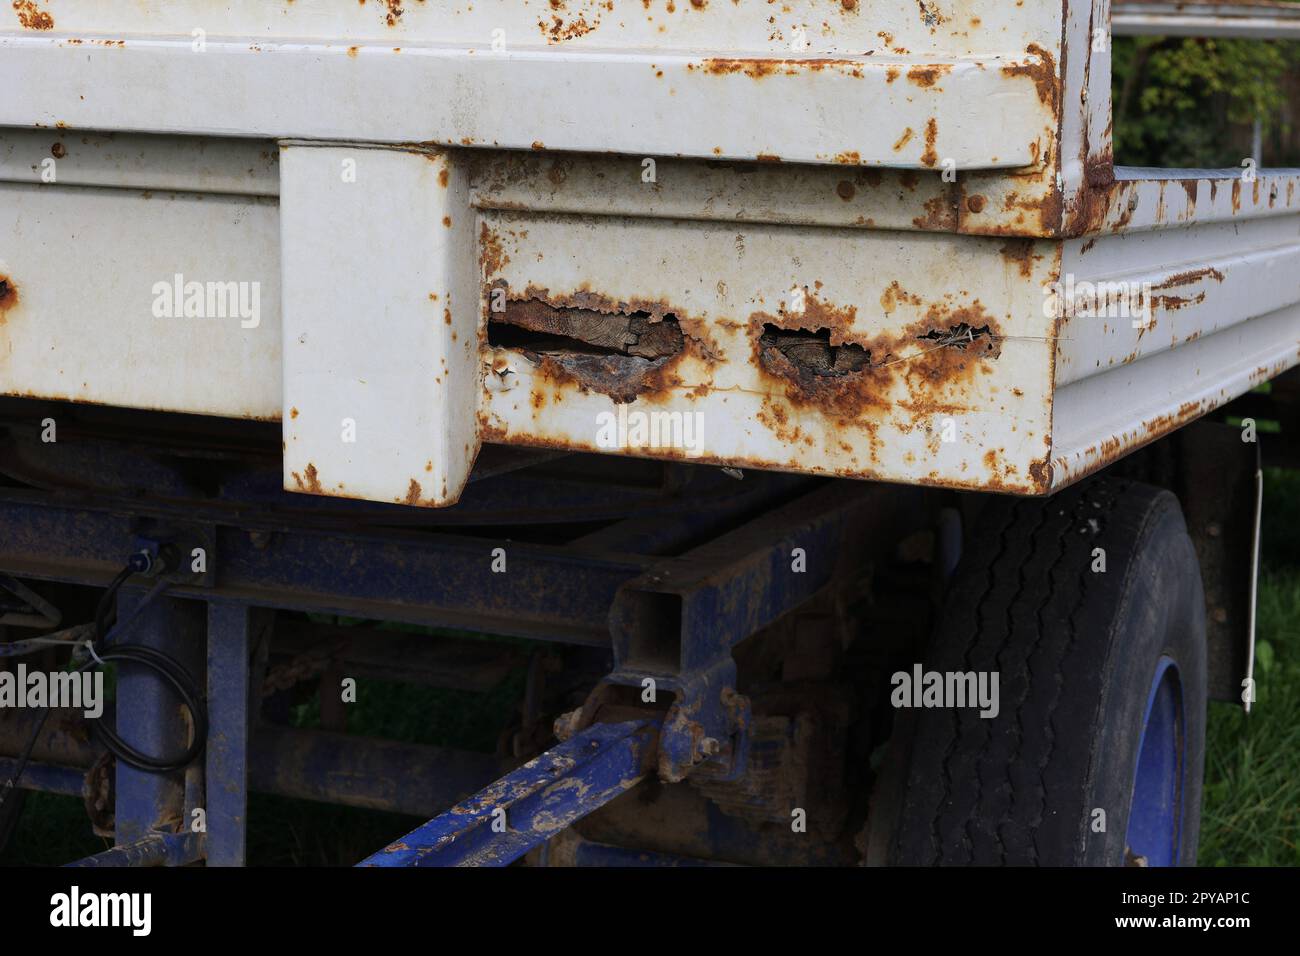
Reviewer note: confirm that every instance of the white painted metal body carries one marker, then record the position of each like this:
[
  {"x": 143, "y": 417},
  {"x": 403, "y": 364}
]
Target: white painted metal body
[{"x": 930, "y": 188}]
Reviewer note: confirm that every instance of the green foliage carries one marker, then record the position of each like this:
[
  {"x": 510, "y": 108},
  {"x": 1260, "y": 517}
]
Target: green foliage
[{"x": 1179, "y": 101}]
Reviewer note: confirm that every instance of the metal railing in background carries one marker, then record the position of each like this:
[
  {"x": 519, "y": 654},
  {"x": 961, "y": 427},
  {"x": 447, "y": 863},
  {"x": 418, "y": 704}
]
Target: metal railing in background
[{"x": 1254, "y": 19}]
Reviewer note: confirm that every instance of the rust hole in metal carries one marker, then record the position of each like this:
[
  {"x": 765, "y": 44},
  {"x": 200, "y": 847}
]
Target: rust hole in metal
[
  {"x": 927, "y": 367},
  {"x": 812, "y": 351},
  {"x": 535, "y": 326},
  {"x": 613, "y": 353},
  {"x": 964, "y": 337}
]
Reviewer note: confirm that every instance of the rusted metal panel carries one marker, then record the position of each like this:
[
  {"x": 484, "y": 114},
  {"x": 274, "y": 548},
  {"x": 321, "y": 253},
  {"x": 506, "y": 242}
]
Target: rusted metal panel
[
  {"x": 1104, "y": 417},
  {"x": 706, "y": 256},
  {"x": 802, "y": 349},
  {"x": 825, "y": 26},
  {"x": 1226, "y": 276},
  {"x": 821, "y": 316},
  {"x": 1142, "y": 199},
  {"x": 1132, "y": 199},
  {"x": 748, "y": 193},
  {"x": 641, "y": 103},
  {"x": 1166, "y": 290},
  {"x": 815, "y": 81},
  {"x": 1160, "y": 325}
]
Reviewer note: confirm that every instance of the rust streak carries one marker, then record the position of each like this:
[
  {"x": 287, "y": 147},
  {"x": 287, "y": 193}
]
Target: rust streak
[
  {"x": 1191, "y": 276},
  {"x": 758, "y": 68},
  {"x": 930, "y": 158}
]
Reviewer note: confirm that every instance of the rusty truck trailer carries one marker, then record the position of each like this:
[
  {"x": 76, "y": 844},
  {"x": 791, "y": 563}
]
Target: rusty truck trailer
[{"x": 524, "y": 264}]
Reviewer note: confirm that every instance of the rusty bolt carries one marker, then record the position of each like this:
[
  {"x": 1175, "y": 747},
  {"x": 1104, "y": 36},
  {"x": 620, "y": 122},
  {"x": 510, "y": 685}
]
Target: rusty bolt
[{"x": 709, "y": 746}]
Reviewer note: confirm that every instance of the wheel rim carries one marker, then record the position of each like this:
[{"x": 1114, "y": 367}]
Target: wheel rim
[{"x": 1155, "y": 815}]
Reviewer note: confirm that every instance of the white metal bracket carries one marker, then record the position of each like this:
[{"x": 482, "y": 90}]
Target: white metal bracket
[{"x": 381, "y": 323}]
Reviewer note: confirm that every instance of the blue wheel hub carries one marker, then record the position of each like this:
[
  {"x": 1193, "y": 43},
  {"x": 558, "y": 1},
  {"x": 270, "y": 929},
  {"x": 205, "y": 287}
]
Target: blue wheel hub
[{"x": 1156, "y": 811}]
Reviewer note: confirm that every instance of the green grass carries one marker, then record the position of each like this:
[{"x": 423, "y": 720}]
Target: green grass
[
  {"x": 1251, "y": 805},
  {"x": 1250, "y": 811}
]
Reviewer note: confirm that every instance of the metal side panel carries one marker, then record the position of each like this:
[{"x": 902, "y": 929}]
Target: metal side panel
[
  {"x": 608, "y": 25},
  {"x": 657, "y": 104},
  {"x": 1180, "y": 285},
  {"x": 381, "y": 321},
  {"x": 1101, "y": 419},
  {"x": 812, "y": 320},
  {"x": 891, "y": 355},
  {"x": 1160, "y": 326},
  {"x": 806, "y": 81},
  {"x": 142, "y": 299},
  {"x": 239, "y": 167}
]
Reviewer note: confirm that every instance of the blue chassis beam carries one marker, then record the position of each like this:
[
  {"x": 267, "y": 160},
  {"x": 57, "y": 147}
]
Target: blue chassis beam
[
  {"x": 526, "y": 808},
  {"x": 155, "y": 849},
  {"x": 578, "y": 594}
]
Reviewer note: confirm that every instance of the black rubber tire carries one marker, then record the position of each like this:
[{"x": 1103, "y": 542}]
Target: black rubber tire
[
  {"x": 10, "y": 812},
  {"x": 1076, "y": 652}
]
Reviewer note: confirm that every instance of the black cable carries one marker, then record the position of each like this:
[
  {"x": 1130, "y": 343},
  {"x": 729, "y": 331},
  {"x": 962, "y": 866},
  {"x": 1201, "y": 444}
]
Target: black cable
[
  {"x": 162, "y": 664},
  {"x": 171, "y": 671},
  {"x": 176, "y": 675},
  {"x": 107, "y": 602}
]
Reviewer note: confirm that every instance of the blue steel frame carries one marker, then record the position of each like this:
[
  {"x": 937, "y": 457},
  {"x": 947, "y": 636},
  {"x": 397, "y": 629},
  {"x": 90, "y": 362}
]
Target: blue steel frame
[
  {"x": 666, "y": 614},
  {"x": 526, "y": 808}
]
